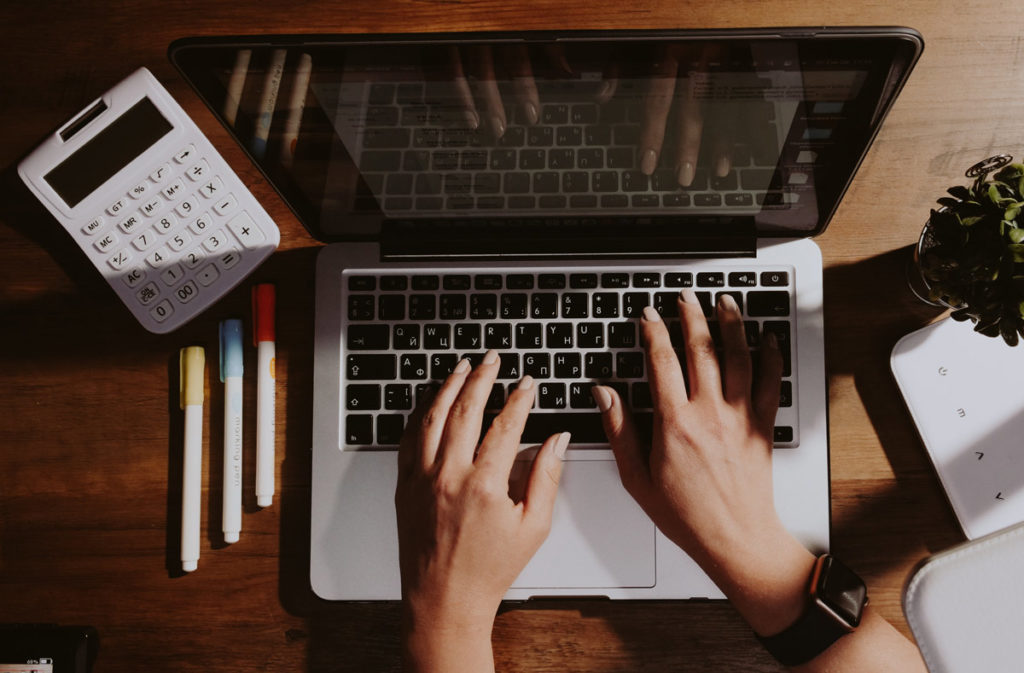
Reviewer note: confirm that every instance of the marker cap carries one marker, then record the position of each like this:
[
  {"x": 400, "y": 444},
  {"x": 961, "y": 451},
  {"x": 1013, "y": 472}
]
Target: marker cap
[
  {"x": 263, "y": 306},
  {"x": 230, "y": 348},
  {"x": 191, "y": 364}
]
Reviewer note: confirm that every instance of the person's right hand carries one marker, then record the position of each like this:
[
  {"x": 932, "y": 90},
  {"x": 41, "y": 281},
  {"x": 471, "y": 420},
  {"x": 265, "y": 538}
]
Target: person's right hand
[{"x": 706, "y": 479}]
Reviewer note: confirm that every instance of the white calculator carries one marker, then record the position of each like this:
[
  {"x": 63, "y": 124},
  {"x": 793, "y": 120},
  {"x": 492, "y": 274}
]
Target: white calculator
[{"x": 151, "y": 203}]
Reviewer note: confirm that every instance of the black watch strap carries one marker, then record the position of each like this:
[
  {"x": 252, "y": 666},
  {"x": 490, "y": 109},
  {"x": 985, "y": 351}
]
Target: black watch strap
[
  {"x": 808, "y": 637},
  {"x": 835, "y": 601}
]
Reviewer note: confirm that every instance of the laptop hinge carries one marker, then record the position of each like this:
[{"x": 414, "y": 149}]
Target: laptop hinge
[{"x": 560, "y": 238}]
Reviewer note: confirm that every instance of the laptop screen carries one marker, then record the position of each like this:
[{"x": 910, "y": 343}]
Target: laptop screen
[{"x": 356, "y": 131}]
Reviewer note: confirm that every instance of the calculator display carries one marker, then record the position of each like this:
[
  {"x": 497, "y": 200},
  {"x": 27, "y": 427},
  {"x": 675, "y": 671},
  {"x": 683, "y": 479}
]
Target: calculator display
[{"x": 109, "y": 151}]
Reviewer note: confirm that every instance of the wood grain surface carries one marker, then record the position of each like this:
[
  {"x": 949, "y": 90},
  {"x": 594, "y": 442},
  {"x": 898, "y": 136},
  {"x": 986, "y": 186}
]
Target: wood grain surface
[{"x": 90, "y": 433}]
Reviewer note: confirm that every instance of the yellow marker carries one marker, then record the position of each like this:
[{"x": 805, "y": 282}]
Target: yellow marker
[{"x": 192, "y": 369}]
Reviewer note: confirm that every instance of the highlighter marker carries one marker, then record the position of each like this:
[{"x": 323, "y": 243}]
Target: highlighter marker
[
  {"x": 192, "y": 368},
  {"x": 263, "y": 301},
  {"x": 231, "y": 376}
]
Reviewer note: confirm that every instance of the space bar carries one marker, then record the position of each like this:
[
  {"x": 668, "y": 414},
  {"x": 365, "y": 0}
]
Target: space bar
[{"x": 586, "y": 428}]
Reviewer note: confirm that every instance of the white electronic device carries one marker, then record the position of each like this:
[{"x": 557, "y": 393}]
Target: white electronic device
[
  {"x": 151, "y": 203},
  {"x": 963, "y": 392}
]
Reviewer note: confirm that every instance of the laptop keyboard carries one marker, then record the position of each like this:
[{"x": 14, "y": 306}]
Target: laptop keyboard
[
  {"x": 405, "y": 332},
  {"x": 416, "y": 159}
]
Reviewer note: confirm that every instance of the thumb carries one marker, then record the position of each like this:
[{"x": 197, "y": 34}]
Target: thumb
[
  {"x": 618, "y": 426},
  {"x": 545, "y": 474}
]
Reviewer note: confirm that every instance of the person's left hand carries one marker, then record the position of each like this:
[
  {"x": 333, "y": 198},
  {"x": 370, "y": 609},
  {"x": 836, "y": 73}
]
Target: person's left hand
[{"x": 462, "y": 539}]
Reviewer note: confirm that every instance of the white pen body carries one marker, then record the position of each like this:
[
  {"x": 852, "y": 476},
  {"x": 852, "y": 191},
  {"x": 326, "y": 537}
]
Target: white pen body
[
  {"x": 191, "y": 485},
  {"x": 265, "y": 393},
  {"x": 232, "y": 503}
]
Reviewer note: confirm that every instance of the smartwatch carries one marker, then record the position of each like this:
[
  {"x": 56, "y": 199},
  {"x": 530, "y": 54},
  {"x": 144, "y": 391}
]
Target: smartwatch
[{"x": 835, "y": 603}]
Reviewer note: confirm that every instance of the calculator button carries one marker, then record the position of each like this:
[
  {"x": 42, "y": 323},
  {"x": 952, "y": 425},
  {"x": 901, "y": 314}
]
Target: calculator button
[
  {"x": 172, "y": 274},
  {"x": 246, "y": 230},
  {"x": 115, "y": 207},
  {"x": 161, "y": 173},
  {"x": 201, "y": 224},
  {"x": 151, "y": 207},
  {"x": 208, "y": 275},
  {"x": 194, "y": 258},
  {"x": 166, "y": 223},
  {"x": 215, "y": 241},
  {"x": 187, "y": 292},
  {"x": 173, "y": 190},
  {"x": 188, "y": 207},
  {"x": 120, "y": 259},
  {"x": 179, "y": 240},
  {"x": 107, "y": 242},
  {"x": 161, "y": 311},
  {"x": 198, "y": 171},
  {"x": 229, "y": 259},
  {"x": 225, "y": 205},
  {"x": 148, "y": 294},
  {"x": 139, "y": 190},
  {"x": 144, "y": 240},
  {"x": 185, "y": 154},
  {"x": 93, "y": 226},
  {"x": 130, "y": 223},
  {"x": 159, "y": 257},
  {"x": 134, "y": 277},
  {"x": 212, "y": 188}
]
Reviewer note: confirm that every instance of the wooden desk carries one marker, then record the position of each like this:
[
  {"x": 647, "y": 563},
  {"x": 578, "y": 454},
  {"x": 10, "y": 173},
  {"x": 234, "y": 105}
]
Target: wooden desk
[{"x": 90, "y": 435}]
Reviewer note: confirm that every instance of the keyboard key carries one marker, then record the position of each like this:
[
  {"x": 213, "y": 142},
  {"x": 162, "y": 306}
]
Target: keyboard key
[
  {"x": 786, "y": 394},
  {"x": 641, "y": 396},
  {"x": 590, "y": 335},
  {"x": 611, "y": 280},
  {"x": 774, "y": 278},
  {"x": 422, "y": 307},
  {"x": 646, "y": 280},
  {"x": 398, "y": 396},
  {"x": 407, "y": 338},
  {"x": 622, "y": 335},
  {"x": 551, "y": 281},
  {"x": 519, "y": 281},
  {"x": 490, "y": 281},
  {"x": 358, "y": 429},
  {"x": 437, "y": 337},
  {"x": 633, "y": 303},
  {"x": 537, "y": 365},
  {"x": 583, "y": 280},
  {"x": 544, "y": 305},
  {"x": 783, "y": 434},
  {"x": 453, "y": 307},
  {"x": 457, "y": 282},
  {"x": 483, "y": 306},
  {"x": 442, "y": 364},
  {"x": 667, "y": 304},
  {"x": 389, "y": 429},
  {"x": 361, "y": 307},
  {"x": 550, "y": 395},
  {"x": 496, "y": 400},
  {"x": 771, "y": 303},
  {"x": 413, "y": 366},
  {"x": 605, "y": 305},
  {"x": 508, "y": 367},
  {"x": 629, "y": 365},
  {"x": 498, "y": 335},
  {"x": 580, "y": 395},
  {"x": 678, "y": 280},
  {"x": 367, "y": 337},
  {"x": 742, "y": 279},
  {"x": 424, "y": 283},
  {"x": 714, "y": 279},
  {"x": 558, "y": 335},
  {"x": 597, "y": 365},
  {"x": 574, "y": 305},
  {"x": 394, "y": 283},
  {"x": 392, "y": 307},
  {"x": 568, "y": 365},
  {"x": 513, "y": 306},
  {"x": 362, "y": 397},
  {"x": 467, "y": 336},
  {"x": 586, "y": 428},
  {"x": 364, "y": 367},
  {"x": 780, "y": 329},
  {"x": 529, "y": 335}
]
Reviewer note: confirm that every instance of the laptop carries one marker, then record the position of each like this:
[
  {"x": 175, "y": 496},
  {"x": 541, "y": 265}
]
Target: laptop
[{"x": 532, "y": 192}]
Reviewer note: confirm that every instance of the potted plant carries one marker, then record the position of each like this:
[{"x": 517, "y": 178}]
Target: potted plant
[{"x": 971, "y": 252}]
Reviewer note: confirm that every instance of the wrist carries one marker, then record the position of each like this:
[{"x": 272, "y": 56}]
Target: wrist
[{"x": 436, "y": 638}]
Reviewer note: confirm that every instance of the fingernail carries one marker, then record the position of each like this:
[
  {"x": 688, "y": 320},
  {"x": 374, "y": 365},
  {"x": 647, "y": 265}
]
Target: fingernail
[
  {"x": 686, "y": 173},
  {"x": 473, "y": 119},
  {"x": 648, "y": 162},
  {"x": 602, "y": 397},
  {"x": 561, "y": 444},
  {"x": 525, "y": 383},
  {"x": 722, "y": 167},
  {"x": 490, "y": 357},
  {"x": 770, "y": 340},
  {"x": 531, "y": 112},
  {"x": 650, "y": 314},
  {"x": 689, "y": 296},
  {"x": 728, "y": 303},
  {"x": 462, "y": 367},
  {"x": 498, "y": 125},
  {"x": 605, "y": 91}
]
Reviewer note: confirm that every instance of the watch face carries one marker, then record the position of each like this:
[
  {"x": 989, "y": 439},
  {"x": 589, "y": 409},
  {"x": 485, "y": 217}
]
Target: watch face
[{"x": 842, "y": 591}]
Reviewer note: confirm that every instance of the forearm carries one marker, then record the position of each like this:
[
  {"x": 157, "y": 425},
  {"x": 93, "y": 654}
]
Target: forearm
[
  {"x": 432, "y": 645},
  {"x": 875, "y": 647}
]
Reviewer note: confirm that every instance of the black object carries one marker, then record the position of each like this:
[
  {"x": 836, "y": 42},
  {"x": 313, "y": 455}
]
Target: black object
[{"x": 59, "y": 649}]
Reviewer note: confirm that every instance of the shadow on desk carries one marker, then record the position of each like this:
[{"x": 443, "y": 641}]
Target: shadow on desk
[{"x": 868, "y": 308}]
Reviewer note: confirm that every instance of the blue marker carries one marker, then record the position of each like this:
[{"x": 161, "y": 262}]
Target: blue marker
[{"x": 231, "y": 375}]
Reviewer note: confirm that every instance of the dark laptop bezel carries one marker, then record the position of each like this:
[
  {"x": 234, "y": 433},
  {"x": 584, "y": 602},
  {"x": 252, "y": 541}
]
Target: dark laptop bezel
[{"x": 544, "y": 236}]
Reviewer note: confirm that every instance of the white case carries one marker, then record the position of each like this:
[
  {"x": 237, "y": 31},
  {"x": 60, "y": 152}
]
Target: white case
[
  {"x": 964, "y": 606},
  {"x": 205, "y": 257}
]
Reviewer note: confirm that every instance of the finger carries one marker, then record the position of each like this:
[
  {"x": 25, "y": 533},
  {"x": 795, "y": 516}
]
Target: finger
[
  {"x": 609, "y": 83},
  {"x": 487, "y": 90},
  {"x": 736, "y": 354},
  {"x": 691, "y": 128},
  {"x": 769, "y": 383},
  {"x": 657, "y": 103},
  {"x": 722, "y": 136},
  {"x": 434, "y": 420},
  {"x": 498, "y": 450},
  {"x": 699, "y": 350},
  {"x": 408, "y": 447},
  {"x": 545, "y": 474},
  {"x": 668, "y": 388},
  {"x": 555, "y": 54},
  {"x": 622, "y": 436},
  {"x": 523, "y": 84},
  {"x": 466, "y": 415},
  {"x": 461, "y": 91}
]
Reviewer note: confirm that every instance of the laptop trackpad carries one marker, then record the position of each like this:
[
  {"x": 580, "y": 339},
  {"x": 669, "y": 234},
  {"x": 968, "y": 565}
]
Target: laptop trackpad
[{"x": 600, "y": 538}]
